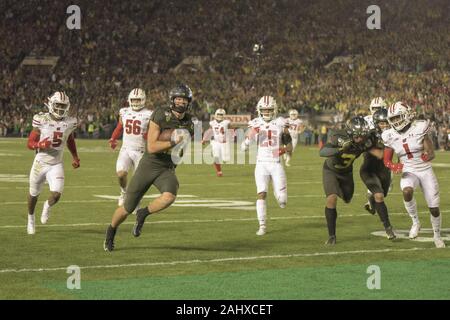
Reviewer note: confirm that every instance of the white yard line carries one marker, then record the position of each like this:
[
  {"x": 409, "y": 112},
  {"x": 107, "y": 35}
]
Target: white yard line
[
  {"x": 88, "y": 224},
  {"x": 230, "y": 259}
]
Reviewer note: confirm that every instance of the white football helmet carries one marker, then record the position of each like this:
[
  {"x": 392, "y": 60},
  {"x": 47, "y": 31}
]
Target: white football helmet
[
  {"x": 219, "y": 115},
  {"x": 377, "y": 104},
  {"x": 136, "y": 99},
  {"x": 58, "y": 105},
  {"x": 267, "y": 108},
  {"x": 399, "y": 115},
  {"x": 293, "y": 114}
]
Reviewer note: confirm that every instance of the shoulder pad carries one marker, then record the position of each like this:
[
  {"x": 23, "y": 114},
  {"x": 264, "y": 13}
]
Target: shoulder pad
[{"x": 421, "y": 126}]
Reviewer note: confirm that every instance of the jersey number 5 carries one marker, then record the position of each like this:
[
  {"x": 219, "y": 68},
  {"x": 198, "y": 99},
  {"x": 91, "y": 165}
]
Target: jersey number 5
[{"x": 133, "y": 127}]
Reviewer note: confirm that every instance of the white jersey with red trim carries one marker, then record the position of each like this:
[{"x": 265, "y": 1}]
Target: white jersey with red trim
[
  {"x": 268, "y": 138},
  {"x": 409, "y": 145},
  {"x": 135, "y": 126},
  {"x": 57, "y": 132},
  {"x": 220, "y": 130},
  {"x": 293, "y": 126}
]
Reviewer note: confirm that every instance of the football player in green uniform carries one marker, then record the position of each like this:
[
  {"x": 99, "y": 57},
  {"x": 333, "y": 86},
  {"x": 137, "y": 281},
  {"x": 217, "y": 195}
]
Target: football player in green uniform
[
  {"x": 156, "y": 166},
  {"x": 341, "y": 150},
  {"x": 376, "y": 176}
]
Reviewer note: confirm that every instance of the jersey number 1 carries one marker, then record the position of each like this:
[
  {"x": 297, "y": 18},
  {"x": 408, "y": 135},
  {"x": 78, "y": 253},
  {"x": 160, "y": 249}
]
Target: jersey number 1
[{"x": 408, "y": 152}]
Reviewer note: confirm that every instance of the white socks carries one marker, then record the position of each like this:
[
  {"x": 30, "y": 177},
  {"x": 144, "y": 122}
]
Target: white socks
[
  {"x": 436, "y": 224},
  {"x": 123, "y": 190},
  {"x": 411, "y": 207},
  {"x": 46, "y": 206},
  {"x": 261, "y": 210}
]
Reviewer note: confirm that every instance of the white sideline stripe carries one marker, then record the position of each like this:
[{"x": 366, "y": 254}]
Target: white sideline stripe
[
  {"x": 186, "y": 196},
  {"x": 172, "y": 263},
  {"x": 206, "y": 220}
]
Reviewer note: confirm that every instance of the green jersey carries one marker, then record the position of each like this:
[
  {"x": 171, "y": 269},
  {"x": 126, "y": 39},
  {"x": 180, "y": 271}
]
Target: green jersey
[
  {"x": 165, "y": 119},
  {"x": 340, "y": 159}
]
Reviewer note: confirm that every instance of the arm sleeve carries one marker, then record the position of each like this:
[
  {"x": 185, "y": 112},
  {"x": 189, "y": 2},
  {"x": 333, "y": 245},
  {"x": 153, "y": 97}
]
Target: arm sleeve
[
  {"x": 328, "y": 151},
  {"x": 331, "y": 148},
  {"x": 117, "y": 131},
  {"x": 387, "y": 157},
  {"x": 33, "y": 140}
]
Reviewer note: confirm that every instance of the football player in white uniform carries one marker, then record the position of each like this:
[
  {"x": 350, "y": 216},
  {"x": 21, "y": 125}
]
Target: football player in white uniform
[
  {"x": 270, "y": 133},
  {"x": 375, "y": 105},
  {"x": 51, "y": 131},
  {"x": 135, "y": 118},
  {"x": 221, "y": 135},
  {"x": 410, "y": 141},
  {"x": 295, "y": 127}
]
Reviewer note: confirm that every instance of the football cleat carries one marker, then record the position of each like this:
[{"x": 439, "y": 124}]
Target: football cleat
[
  {"x": 331, "y": 241},
  {"x": 140, "y": 219},
  {"x": 414, "y": 232},
  {"x": 45, "y": 213},
  {"x": 30, "y": 226},
  {"x": 439, "y": 243},
  {"x": 220, "y": 174},
  {"x": 390, "y": 233},
  {"x": 108, "y": 245},
  {"x": 261, "y": 231},
  {"x": 369, "y": 207}
]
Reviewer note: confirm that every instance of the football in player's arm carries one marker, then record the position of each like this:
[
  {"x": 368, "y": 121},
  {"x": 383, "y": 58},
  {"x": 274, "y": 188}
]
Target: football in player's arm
[
  {"x": 343, "y": 147},
  {"x": 156, "y": 166},
  {"x": 409, "y": 139},
  {"x": 51, "y": 131}
]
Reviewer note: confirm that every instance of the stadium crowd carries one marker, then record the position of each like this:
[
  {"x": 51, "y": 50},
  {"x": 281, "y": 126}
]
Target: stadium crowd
[{"x": 318, "y": 59}]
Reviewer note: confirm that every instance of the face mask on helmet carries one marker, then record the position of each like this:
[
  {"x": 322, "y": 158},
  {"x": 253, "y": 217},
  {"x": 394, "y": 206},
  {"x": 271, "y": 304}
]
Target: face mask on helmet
[
  {"x": 136, "y": 99},
  {"x": 377, "y": 104},
  {"x": 59, "y": 110},
  {"x": 358, "y": 129},
  {"x": 219, "y": 116},
  {"x": 180, "y": 98},
  {"x": 374, "y": 109},
  {"x": 137, "y": 104},
  {"x": 398, "y": 122},
  {"x": 293, "y": 115},
  {"x": 383, "y": 125},
  {"x": 267, "y": 114},
  {"x": 180, "y": 104}
]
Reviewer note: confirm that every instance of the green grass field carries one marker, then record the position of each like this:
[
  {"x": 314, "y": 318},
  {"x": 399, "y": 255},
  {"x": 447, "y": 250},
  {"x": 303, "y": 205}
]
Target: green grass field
[{"x": 205, "y": 247}]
